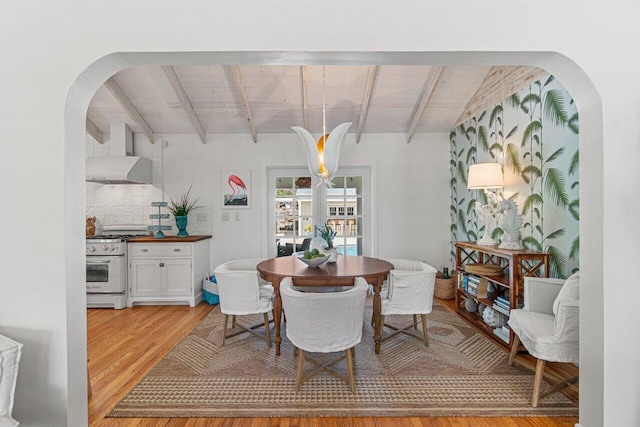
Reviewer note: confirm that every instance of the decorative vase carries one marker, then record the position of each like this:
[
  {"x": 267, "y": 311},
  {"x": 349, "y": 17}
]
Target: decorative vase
[
  {"x": 181, "y": 223},
  {"x": 332, "y": 253}
]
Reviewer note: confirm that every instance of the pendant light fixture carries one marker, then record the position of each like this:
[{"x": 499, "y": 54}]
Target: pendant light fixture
[{"x": 323, "y": 156}]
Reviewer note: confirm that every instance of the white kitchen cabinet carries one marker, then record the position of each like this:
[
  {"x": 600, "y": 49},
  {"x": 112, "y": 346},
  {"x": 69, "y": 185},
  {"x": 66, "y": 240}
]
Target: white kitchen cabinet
[{"x": 167, "y": 271}]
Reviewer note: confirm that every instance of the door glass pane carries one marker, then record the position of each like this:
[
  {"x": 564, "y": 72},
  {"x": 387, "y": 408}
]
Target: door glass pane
[
  {"x": 294, "y": 221},
  {"x": 344, "y": 205}
]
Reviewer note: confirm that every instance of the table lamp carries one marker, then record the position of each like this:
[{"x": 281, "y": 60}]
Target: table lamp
[{"x": 486, "y": 176}]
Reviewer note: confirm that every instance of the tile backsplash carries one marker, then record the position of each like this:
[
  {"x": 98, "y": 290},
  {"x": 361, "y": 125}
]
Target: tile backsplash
[{"x": 131, "y": 205}]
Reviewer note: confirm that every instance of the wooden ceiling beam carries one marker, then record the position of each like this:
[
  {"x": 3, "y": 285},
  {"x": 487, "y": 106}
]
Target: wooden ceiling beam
[
  {"x": 366, "y": 99},
  {"x": 245, "y": 101},
  {"x": 427, "y": 91},
  {"x": 172, "y": 77},
  {"x": 128, "y": 106},
  {"x": 96, "y": 133},
  {"x": 305, "y": 98},
  {"x": 499, "y": 84}
]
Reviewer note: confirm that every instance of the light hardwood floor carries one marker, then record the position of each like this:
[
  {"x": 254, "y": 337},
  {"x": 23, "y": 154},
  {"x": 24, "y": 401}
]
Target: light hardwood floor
[{"x": 123, "y": 345}]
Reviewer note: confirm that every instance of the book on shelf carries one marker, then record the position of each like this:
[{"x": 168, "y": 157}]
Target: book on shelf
[
  {"x": 503, "y": 300},
  {"x": 501, "y": 304},
  {"x": 500, "y": 333},
  {"x": 501, "y": 309}
]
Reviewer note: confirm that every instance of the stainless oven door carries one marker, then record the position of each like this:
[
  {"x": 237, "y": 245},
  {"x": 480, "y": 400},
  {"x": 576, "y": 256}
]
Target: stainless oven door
[{"x": 106, "y": 274}]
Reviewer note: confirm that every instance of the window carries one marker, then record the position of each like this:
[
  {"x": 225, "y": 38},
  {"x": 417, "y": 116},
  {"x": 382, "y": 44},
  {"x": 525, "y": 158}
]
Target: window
[{"x": 297, "y": 205}]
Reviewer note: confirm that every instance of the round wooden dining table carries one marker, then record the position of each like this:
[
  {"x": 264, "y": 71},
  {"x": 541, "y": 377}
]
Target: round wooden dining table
[{"x": 341, "y": 273}]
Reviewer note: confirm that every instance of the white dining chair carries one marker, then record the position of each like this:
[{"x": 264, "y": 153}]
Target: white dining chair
[
  {"x": 548, "y": 327},
  {"x": 10, "y": 353},
  {"x": 324, "y": 322},
  {"x": 243, "y": 293},
  {"x": 408, "y": 290}
]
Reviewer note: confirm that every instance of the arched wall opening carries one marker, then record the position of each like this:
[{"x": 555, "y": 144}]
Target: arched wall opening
[{"x": 591, "y": 194}]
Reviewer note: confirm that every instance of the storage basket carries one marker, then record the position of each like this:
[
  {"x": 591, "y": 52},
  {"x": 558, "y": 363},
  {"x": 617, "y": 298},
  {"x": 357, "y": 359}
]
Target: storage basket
[
  {"x": 484, "y": 269},
  {"x": 210, "y": 290},
  {"x": 445, "y": 288}
]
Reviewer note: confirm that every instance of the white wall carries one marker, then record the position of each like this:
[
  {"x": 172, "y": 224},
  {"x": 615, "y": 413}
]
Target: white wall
[
  {"x": 48, "y": 51},
  {"x": 410, "y": 182}
]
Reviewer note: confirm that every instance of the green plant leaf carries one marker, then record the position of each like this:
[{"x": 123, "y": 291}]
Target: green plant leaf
[
  {"x": 574, "y": 209},
  {"x": 471, "y": 206},
  {"x": 530, "y": 172},
  {"x": 554, "y": 185},
  {"x": 471, "y": 153},
  {"x": 549, "y": 80},
  {"x": 555, "y": 155},
  {"x": 574, "y": 249},
  {"x": 462, "y": 172},
  {"x": 513, "y": 131},
  {"x": 497, "y": 233},
  {"x": 539, "y": 229},
  {"x": 556, "y": 234},
  {"x": 557, "y": 262},
  {"x": 553, "y": 108},
  {"x": 512, "y": 158},
  {"x": 462, "y": 221},
  {"x": 470, "y": 132},
  {"x": 534, "y": 126},
  {"x": 530, "y": 100},
  {"x": 482, "y": 133},
  {"x": 531, "y": 201},
  {"x": 514, "y": 100},
  {"x": 532, "y": 243},
  {"x": 494, "y": 113},
  {"x": 574, "y": 123},
  {"x": 575, "y": 162},
  {"x": 183, "y": 206},
  {"x": 537, "y": 212}
]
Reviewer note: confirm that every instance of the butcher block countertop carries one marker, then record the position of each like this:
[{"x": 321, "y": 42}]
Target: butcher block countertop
[{"x": 167, "y": 239}]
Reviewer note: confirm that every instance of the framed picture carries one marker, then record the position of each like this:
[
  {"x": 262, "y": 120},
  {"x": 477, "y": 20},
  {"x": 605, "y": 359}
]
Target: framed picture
[{"x": 236, "y": 188}]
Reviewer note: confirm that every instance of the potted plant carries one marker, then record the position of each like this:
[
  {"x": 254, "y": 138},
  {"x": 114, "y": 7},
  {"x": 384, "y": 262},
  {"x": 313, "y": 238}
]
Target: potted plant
[
  {"x": 181, "y": 209},
  {"x": 328, "y": 234}
]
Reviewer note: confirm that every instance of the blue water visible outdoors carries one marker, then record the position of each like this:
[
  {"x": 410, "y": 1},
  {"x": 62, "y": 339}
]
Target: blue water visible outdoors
[{"x": 351, "y": 250}]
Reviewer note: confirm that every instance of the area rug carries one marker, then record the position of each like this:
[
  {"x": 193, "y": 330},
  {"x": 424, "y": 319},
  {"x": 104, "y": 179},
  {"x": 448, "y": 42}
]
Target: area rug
[{"x": 461, "y": 373}]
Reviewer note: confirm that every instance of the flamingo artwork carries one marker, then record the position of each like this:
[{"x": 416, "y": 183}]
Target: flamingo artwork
[{"x": 238, "y": 196}]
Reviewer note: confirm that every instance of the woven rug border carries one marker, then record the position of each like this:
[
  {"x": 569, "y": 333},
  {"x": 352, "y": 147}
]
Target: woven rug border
[{"x": 135, "y": 404}]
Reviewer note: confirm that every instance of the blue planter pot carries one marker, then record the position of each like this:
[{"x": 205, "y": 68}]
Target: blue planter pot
[{"x": 181, "y": 223}]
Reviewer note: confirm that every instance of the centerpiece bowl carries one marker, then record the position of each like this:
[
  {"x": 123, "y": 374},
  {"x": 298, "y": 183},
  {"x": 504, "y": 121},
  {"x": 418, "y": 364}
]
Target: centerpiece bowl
[{"x": 315, "y": 262}]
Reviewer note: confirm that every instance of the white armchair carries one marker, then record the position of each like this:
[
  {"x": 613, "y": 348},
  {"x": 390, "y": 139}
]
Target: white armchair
[
  {"x": 409, "y": 290},
  {"x": 10, "y": 352},
  {"x": 324, "y": 322},
  {"x": 548, "y": 326},
  {"x": 243, "y": 292}
]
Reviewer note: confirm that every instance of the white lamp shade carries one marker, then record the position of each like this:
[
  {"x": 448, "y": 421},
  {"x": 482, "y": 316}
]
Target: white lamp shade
[{"x": 485, "y": 175}]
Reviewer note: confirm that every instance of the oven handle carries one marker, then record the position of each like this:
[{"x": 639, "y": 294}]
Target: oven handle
[{"x": 90, "y": 260}]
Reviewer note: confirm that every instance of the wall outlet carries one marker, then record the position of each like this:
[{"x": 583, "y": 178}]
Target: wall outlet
[
  {"x": 237, "y": 216},
  {"x": 225, "y": 216},
  {"x": 202, "y": 217}
]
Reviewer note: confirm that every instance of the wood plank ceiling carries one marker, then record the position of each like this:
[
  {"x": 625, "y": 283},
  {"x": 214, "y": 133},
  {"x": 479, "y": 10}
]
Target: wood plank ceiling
[{"x": 253, "y": 100}]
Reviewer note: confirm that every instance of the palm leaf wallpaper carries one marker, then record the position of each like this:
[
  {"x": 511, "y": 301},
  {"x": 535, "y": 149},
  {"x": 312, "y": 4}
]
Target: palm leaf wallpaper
[{"x": 534, "y": 135}]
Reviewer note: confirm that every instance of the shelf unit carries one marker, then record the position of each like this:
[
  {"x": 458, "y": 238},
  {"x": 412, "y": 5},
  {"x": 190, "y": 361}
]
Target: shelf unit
[{"x": 516, "y": 265}]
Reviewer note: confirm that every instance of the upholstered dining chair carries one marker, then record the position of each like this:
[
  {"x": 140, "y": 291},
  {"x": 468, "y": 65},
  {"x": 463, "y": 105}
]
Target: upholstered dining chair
[
  {"x": 548, "y": 327},
  {"x": 10, "y": 353},
  {"x": 408, "y": 290},
  {"x": 324, "y": 322},
  {"x": 243, "y": 292}
]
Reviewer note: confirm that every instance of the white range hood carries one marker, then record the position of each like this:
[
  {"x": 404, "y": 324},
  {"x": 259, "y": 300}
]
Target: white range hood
[{"x": 121, "y": 167}]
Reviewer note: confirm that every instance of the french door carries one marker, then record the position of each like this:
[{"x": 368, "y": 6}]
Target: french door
[{"x": 297, "y": 207}]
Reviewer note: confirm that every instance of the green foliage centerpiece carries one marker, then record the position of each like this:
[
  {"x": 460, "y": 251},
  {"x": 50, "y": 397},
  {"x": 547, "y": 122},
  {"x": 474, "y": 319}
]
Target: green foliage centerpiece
[
  {"x": 328, "y": 234},
  {"x": 181, "y": 209}
]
